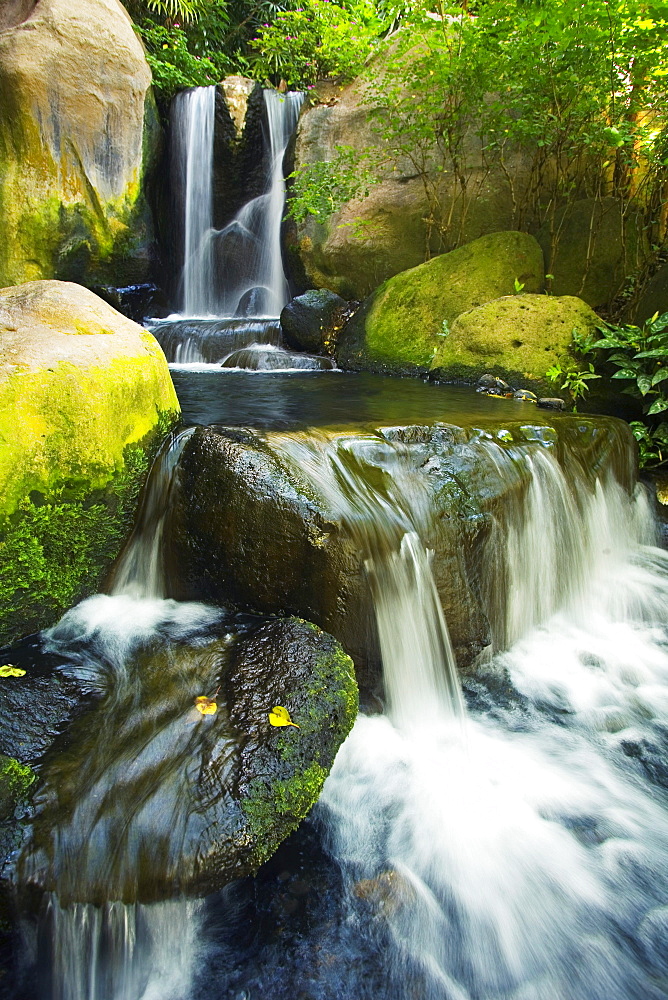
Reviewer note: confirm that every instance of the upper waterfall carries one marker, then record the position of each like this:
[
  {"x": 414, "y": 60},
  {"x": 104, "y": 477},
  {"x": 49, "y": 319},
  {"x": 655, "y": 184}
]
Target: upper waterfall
[{"x": 236, "y": 270}]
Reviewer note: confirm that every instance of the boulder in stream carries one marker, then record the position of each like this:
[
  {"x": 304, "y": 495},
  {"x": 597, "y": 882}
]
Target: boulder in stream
[
  {"x": 311, "y": 322},
  {"x": 85, "y": 401},
  {"x": 189, "y": 800},
  {"x": 284, "y": 522}
]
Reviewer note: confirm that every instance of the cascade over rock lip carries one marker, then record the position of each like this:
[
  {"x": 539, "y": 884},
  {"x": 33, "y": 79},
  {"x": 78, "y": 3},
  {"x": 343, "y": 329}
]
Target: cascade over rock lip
[
  {"x": 249, "y": 527},
  {"x": 197, "y": 800},
  {"x": 400, "y": 327},
  {"x": 85, "y": 400}
]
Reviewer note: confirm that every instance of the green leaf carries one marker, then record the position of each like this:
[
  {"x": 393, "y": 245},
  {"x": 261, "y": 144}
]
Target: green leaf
[
  {"x": 658, "y": 352},
  {"x": 660, "y": 376},
  {"x": 658, "y": 406},
  {"x": 625, "y": 373}
]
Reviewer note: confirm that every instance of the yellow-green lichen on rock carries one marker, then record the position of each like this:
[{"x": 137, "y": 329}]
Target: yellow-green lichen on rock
[
  {"x": 400, "y": 327},
  {"x": 85, "y": 400},
  {"x": 517, "y": 337},
  {"x": 78, "y": 131}
]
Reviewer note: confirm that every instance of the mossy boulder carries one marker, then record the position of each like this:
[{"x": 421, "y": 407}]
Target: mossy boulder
[
  {"x": 517, "y": 337},
  {"x": 85, "y": 400},
  {"x": 400, "y": 327},
  {"x": 591, "y": 246},
  {"x": 79, "y": 134},
  {"x": 190, "y": 801}
]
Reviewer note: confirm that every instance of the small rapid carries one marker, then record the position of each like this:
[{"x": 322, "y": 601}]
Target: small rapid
[{"x": 522, "y": 855}]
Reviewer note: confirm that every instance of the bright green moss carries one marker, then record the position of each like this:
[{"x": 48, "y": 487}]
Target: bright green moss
[{"x": 15, "y": 780}]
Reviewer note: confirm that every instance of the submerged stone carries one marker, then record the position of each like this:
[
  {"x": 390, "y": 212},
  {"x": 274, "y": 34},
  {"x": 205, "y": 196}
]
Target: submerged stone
[{"x": 190, "y": 801}]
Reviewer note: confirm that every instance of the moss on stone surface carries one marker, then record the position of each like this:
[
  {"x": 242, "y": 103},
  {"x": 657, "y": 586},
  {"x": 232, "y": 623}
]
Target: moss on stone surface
[
  {"x": 517, "y": 337},
  {"x": 85, "y": 401},
  {"x": 15, "y": 780},
  {"x": 55, "y": 551},
  {"x": 287, "y": 767},
  {"x": 400, "y": 327}
]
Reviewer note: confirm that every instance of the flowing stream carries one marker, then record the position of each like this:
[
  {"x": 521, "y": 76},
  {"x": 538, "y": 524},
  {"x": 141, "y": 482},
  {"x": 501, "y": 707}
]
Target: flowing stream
[{"x": 514, "y": 851}]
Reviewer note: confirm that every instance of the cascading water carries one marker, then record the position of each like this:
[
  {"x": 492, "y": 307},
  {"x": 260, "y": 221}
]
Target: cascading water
[
  {"x": 521, "y": 857},
  {"x": 193, "y": 119},
  {"x": 238, "y": 270},
  {"x": 515, "y": 853}
]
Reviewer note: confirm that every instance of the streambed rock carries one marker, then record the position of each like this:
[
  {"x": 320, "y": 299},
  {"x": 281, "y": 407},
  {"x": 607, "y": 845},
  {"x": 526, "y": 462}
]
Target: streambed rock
[
  {"x": 189, "y": 801},
  {"x": 79, "y": 133},
  {"x": 250, "y": 528},
  {"x": 85, "y": 401}
]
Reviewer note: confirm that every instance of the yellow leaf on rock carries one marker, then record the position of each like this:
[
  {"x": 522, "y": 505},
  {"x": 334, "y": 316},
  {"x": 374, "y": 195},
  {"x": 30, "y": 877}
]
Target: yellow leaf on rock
[
  {"x": 10, "y": 671},
  {"x": 280, "y": 716},
  {"x": 207, "y": 706}
]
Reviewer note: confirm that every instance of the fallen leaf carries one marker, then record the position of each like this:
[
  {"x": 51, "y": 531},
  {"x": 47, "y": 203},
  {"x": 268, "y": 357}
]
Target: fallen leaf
[
  {"x": 10, "y": 671},
  {"x": 207, "y": 706},
  {"x": 280, "y": 716}
]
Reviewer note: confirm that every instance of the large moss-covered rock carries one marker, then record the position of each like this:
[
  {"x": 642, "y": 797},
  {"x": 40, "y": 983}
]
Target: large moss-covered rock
[
  {"x": 78, "y": 133},
  {"x": 591, "y": 246},
  {"x": 400, "y": 327},
  {"x": 371, "y": 238},
  {"x": 85, "y": 399},
  {"x": 517, "y": 337},
  {"x": 190, "y": 801}
]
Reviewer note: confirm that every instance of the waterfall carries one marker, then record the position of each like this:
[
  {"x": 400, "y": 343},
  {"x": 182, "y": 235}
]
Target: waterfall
[
  {"x": 139, "y": 572},
  {"x": 238, "y": 270},
  {"x": 192, "y": 122},
  {"x": 385, "y": 506},
  {"x": 519, "y": 856}
]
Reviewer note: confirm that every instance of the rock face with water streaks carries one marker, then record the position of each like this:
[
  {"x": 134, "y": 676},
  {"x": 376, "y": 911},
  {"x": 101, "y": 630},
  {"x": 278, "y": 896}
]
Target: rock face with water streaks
[
  {"x": 190, "y": 801},
  {"x": 78, "y": 133},
  {"x": 250, "y": 528},
  {"x": 85, "y": 400}
]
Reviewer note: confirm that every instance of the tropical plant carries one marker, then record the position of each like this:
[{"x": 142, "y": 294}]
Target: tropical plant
[
  {"x": 322, "y": 38},
  {"x": 637, "y": 355},
  {"x": 574, "y": 381},
  {"x": 640, "y": 356}
]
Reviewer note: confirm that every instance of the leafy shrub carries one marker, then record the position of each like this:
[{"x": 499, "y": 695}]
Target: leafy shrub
[
  {"x": 320, "y": 39},
  {"x": 639, "y": 356}
]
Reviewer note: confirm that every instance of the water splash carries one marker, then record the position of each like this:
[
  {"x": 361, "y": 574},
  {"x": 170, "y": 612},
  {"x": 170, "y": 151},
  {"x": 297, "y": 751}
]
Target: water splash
[
  {"x": 526, "y": 860},
  {"x": 371, "y": 486}
]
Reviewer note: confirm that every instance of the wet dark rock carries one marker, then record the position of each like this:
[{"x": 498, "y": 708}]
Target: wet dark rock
[
  {"x": 311, "y": 322},
  {"x": 191, "y": 801},
  {"x": 135, "y": 301},
  {"x": 492, "y": 382},
  {"x": 248, "y": 529},
  {"x": 551, "y": 403}
]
